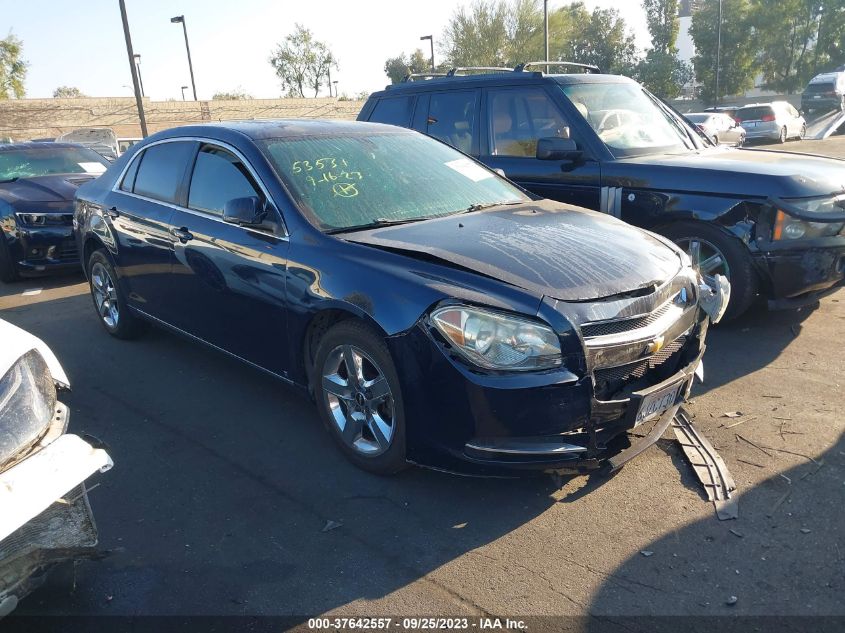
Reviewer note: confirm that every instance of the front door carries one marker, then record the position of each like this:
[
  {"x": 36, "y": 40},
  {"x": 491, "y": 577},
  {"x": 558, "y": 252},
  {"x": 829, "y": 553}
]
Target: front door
[
  {"x": 515, "y": 119},
  {"x": 229, "y": 280}
]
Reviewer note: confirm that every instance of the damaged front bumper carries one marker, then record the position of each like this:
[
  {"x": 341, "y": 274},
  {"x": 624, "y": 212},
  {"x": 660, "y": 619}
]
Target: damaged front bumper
[{"x": 46, "y": 518}]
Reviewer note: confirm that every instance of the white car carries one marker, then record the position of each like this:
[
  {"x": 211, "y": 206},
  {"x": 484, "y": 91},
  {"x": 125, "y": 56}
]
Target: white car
[
  {"x": 718, "y": 127},
  {"x": 45, "y": 517},
  {"x": 775, "y": 121}
]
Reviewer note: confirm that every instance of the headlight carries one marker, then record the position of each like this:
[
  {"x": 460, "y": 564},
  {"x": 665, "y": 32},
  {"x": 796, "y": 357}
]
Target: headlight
[
  {"x": 497, "y": 341},
  {"x": 787, "y": 227},
  {"x": 27, "y": 404},
  {"x": 42, "y": 219}
]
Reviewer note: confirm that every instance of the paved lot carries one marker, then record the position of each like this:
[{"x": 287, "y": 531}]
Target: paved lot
[{"x": 224, "y": 481}]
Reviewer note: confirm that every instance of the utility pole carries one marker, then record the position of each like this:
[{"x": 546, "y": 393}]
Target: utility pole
[
  {"x": 546, "y": 32},
  {"x": 718, "y": 51},
  {"x": 138, "y": 100},
  {"x": 430, "y": 38},
  {"x": 180, "y": 19},
  {"x": 329, "y": 70}
]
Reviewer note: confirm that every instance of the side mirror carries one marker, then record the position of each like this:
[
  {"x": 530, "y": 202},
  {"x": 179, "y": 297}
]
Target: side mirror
[
  {"x": 244, "y": 211},
  {"x": 555, "y": 148}
]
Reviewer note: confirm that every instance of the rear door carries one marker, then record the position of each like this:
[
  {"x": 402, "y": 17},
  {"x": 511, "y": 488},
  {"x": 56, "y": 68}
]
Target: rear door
[
  {"x": 228, "y": 280},
  {"x": 515, "y": 118},
  {"x": 139, "y": 210}
]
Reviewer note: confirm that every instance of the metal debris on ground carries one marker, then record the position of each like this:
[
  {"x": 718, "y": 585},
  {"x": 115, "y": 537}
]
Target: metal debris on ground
[
  {"x": 732, "y": 414},
  {"x": 731, "y": 601},
  {"x": 708, "y": 466},
  {"x": 646, "y": 553},
  {"x": 331, "y": 525},
  {"x": 735, "y": 533},
  {"x": 805, "y": 530}
]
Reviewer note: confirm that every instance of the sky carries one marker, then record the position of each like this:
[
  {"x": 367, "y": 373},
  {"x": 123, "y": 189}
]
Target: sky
[{"x": 72, "y": 43}]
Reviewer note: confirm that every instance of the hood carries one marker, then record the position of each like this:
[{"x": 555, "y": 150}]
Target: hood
[
  {"x": 58, "y": 188},
  {"x": 735, "y": 172},
  {"x": 545, "y": 247}
]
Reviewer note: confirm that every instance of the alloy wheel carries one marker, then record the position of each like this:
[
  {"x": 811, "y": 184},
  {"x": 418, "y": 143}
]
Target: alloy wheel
[
  {"x": 359, "y": 399},
  {"x": 783, "y": 135},
  {"x": 105, "y": 295},
  {"x": 706, "y": 258}
]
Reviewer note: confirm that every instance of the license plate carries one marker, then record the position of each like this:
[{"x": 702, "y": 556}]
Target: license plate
[{"x": 658, "y": 402}]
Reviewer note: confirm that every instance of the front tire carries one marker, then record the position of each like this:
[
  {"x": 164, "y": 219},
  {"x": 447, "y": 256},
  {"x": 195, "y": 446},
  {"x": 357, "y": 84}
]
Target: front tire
[
  {"x": 359, "y": 397},
  {"x": 802, "y": 133},
  {"x": 714, "y": 251},
  {"x": 8, "y": 270},
  {"x": 108, "y": 298}
]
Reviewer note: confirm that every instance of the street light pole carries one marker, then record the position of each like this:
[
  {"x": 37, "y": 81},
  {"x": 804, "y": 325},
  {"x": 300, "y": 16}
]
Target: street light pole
[
  {"x": 335, "y": 88},
  {"x": 184, "y": 88},
  {"x": 329, "y": 70},
  {"x": 138, "y": 100},
  {"x": 430, "y": 38},
  {"x": 180, "y": 19},
  {"x": 718, "y": 50},
  {"x": 546, "y": 32},
  {"x": 138, "y": 66}
]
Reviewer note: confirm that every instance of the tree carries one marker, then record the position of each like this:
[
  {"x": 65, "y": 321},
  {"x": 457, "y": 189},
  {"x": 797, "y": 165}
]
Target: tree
[
  {"x": 660, "y": 70},
  {"x": 600, "y": 38},
  {"x": 67, "y": 92},
  {"x": 238, "y": 94},
  {"x": 830, "y": 45},
  {"x": 302, "y": 62},
  {"x": 738, "y": 50},
  {"x": 12, "y": 68},
  {"x": 786, "y": 31},
  {"x": 397, "y": 68}
]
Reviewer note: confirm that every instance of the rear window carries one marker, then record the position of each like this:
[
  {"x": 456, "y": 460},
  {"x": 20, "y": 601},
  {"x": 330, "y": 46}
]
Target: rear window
[
  {"x": 814, "y": 89},
  {"x": 754, "y": 113},
  {"x": 698, "y": 118},
  {"x": 162, "y": 170},
  {"x": 393, "y": 111}
]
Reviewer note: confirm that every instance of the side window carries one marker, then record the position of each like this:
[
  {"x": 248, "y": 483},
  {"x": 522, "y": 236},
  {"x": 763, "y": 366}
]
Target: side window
[
  {"x": 219, "y": 176},
  {"x": 128, "y": 182},
  {"x": 162, "y": 170},
  {"x": 393, "y": 110},
  {"x": 518, "y": 118},
  {"x": 452, "y": 119}
]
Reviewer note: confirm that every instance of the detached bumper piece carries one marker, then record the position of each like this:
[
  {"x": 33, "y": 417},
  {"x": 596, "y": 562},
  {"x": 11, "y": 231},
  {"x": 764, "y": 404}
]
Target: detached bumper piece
[{"x": 708, "y": 466}]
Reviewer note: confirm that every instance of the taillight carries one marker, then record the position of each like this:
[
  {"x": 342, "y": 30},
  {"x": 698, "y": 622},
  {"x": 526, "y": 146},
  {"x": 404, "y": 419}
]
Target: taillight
[
  {"x": 738, "y": 121},
  {"x": 767, "y": 118}
]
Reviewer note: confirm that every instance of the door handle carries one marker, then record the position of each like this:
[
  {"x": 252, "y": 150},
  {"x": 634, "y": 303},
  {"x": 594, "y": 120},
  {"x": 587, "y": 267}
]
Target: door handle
[
  {"x": 113, "y": 212},
  {"x": 182, "y": 234}
]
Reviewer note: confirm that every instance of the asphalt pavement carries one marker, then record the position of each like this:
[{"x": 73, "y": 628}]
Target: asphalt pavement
[{"x": 229, "y": 498}]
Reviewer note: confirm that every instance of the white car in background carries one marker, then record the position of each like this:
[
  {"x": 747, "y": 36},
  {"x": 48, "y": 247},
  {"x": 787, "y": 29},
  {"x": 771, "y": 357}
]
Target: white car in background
[
  {"x": 776, "y": 121},
  {"x": 45, "y": 517},
  {"x": 718, "y": 127}
]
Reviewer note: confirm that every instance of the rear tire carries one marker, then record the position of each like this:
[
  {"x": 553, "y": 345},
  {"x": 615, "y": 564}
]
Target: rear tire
[
  {"x": 109, "y": 302},
  {"x": 359, "y": 397},
  {"x": 739, "y": 267},
  {"x": 783, "y": 134},
  {"x": 803, "y": 132},
  {"x": 8, "y": 270}
]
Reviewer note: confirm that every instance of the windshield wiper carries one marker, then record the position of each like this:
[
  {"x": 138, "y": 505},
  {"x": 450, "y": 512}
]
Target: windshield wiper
[
  {"x": 375, "y": 224},
  {"x": 487, "y": 205}
]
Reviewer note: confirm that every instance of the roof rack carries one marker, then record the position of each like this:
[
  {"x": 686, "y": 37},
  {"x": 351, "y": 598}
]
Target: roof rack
[
  {"x": 461, "y": 69},
  {"x": 414, "y": 76},
  {"x": 590, "y": 68}
]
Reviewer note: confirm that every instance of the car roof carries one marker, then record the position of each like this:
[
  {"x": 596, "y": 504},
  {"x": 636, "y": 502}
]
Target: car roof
[
  {"x": 504, "y": 78},
  {"x": 260, "y": 129},
  {"x": 10, "y": 147}
]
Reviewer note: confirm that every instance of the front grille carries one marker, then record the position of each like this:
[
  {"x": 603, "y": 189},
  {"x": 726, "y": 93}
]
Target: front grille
[
  {"x": 589, "y": 330},
  {"x": 610, "y": 380}
]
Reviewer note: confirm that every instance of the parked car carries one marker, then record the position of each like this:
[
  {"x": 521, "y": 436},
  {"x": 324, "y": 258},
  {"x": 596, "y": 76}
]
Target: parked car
[
  {"x": 37, "y": 183},
  {"x": 46, "y": 517},
  {"x": 124, "y": 144},
  {"x": 605, "y": 143},
  {"x": 824, "y": 92},
  {"x": 730, "y": 110},
  {"x": 776, "y": 121},
  {"x": 100, "y": 139},
  {"x": 719, "y": 128},
  {"x": 437, "y": 313}
]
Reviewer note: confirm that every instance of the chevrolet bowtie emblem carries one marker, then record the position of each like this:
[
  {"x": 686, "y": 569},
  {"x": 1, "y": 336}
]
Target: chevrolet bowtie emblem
[{"x": 655, "y": 345}]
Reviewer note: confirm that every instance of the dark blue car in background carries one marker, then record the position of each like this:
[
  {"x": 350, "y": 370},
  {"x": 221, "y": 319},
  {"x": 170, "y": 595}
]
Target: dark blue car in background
[
  {"x": 773, "y": 223},
  {"x": 437, "y": 313},
  {"x": 37, "y": 185}
]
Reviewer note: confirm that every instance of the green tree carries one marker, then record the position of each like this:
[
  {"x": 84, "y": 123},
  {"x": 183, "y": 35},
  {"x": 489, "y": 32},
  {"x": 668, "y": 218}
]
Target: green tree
[
  {"x": 786, "y": 31},
  {"x": 302, "y": 62},
  {"x": 601, "y": 38},
  {"x": 738, "y": 50},
  {"x": 660, "y": 70},
  {"x": 399, "y": 67},
  {"x": 67, "y": 92},
  {"x": 238, "y": 94},
  {"x": 12, "y": 68},
  {"x": 829, "y": 51}
]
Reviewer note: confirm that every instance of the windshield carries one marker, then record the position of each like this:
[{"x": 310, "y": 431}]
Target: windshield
[
  {"x": 344, "y": 182},
  {"x": 50, "y": 159},
  {"x": 629, "y": 120}
]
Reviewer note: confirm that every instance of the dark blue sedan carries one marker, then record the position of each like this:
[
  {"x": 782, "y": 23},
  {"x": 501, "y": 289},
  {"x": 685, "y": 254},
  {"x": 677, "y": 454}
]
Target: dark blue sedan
[{"x": 436, "y": 313}]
